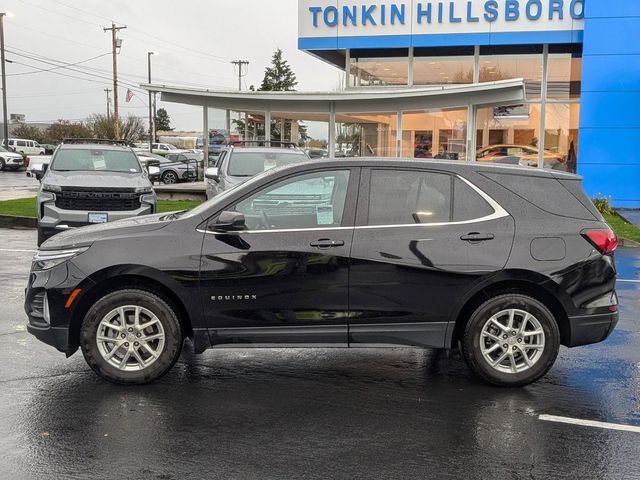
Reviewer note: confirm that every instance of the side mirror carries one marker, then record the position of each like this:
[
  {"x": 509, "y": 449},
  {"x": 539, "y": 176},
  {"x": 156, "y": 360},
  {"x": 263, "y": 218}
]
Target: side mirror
[
  {"x": 230, "y": 221},
  {"x": 213, "y": 173}
]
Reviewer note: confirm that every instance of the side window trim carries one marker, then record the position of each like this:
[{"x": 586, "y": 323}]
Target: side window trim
[{"x": 362, "y": 217}]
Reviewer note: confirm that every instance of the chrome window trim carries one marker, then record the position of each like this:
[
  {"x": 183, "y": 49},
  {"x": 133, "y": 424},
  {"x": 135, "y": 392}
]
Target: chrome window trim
[{"x": 498, "y": 212}]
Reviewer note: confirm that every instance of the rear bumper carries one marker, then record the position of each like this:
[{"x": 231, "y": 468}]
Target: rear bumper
[{"x": 588, "y": 329}]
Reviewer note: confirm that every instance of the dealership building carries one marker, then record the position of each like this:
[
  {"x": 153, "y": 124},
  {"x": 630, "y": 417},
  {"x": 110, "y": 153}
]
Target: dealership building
[{"x": 549, "y": 83}]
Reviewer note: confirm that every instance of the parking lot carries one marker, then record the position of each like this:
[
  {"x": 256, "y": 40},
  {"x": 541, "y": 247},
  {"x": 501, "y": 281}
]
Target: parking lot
[
  {"x": 317, "y": 413},
  {"x": 17, "y": 185}
]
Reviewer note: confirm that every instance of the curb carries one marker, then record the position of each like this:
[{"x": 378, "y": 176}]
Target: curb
[{"x": 7, "y": 221}]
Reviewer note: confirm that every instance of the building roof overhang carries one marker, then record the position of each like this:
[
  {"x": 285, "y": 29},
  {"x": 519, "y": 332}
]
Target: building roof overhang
[{"x": 352, "y": 100}]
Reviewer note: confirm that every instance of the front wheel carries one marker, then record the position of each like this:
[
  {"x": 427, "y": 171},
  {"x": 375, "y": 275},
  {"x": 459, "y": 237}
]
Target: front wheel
[
  {"x": 1, "y": 164},
  {"x": 131, "y": 337},
  {"x": 511, "y": 340}
]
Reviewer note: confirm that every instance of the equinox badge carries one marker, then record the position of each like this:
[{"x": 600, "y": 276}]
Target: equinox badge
[{"x": 219, "y": 298}]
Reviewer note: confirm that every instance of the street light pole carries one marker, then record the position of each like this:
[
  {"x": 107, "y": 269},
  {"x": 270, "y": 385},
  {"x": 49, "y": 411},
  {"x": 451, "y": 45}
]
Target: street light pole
[
  {"x": 4, "y": 84},
  {"x": 152, "y": 120}
]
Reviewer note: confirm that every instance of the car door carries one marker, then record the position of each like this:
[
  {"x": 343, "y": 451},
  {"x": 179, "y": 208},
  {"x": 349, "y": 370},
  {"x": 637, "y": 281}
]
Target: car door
[
  {"x": 422, "y": 238},
  {"x": 284, "y": 278}
]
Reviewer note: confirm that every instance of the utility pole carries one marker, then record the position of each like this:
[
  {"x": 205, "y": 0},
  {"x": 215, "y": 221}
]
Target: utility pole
[
  {"x": 108, "y": 90},
  {"x": 152, "y": 113},
  {"x": 4, "y": 84},
  {"x": 116, "y": 43},
  {"x": 240, "y": 64}
]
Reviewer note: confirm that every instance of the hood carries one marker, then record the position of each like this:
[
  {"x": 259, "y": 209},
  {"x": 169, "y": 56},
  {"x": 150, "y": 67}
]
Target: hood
[
  {"x": 10, "y": 155},
  {"x": 96, "y": 179},
  {"x": 108, "y": 231}
]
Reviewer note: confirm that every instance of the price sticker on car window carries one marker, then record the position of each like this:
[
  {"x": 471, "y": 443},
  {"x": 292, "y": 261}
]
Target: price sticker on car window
[{"x": 324, "y": 215}]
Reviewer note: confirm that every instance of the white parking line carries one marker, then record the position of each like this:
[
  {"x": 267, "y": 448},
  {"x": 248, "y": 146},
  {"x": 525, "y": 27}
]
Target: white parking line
[
  {"x": 629, "y": 281},
  {"x": 589, "y": 423},
  {"x": 16, "y": 250}
]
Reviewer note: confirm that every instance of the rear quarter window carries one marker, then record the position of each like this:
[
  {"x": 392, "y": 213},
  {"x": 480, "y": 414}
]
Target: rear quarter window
[
  {"x": 546, "y": 193},
  {"x": 468, "y": 204}
]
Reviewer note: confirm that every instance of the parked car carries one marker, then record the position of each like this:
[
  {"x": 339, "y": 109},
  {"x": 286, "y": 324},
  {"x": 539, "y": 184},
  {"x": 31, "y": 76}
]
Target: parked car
[
  {"x": 519, "y": 154},
  {"x": 316, "y": 153},
  {"x": 507, "y": 262},
  {"x": 10, "y": 160},
  {"x": 178, "y": 167},
  {"x": 237, "y": 165},
  {"x": 88, "y": 183},
  {"x": 26, "y": 147},
  {"x": 48, "y": 148},
  {"x": 164, "y": 149}
]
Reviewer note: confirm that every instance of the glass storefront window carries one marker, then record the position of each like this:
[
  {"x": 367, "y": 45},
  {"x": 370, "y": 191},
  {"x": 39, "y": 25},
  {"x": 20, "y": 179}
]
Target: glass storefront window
[
  {"x": 443, "y": 66},
  {"x": 564, "y": 76},
  {"x": 306, "y": 130},
  {"x": 509, "y": 134},
  {"x": 367, "y": 70},
  {"x": 435, "y": 134},
  {"x": 561, "y": 136},
  {"x": 366, "y": 134},
  {"x": 497, "y": 66}
]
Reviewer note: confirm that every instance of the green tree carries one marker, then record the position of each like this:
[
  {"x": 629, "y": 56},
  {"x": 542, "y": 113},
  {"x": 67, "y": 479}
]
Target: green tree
[
  {"x": 278, "y": 77},
  {"x": 163, "y": 121},
  {"x": 30, "y": 132}
]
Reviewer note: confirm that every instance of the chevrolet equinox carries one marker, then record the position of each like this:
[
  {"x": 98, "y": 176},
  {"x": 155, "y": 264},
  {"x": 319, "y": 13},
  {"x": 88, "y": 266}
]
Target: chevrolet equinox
[{"x": 505, "y": 262}]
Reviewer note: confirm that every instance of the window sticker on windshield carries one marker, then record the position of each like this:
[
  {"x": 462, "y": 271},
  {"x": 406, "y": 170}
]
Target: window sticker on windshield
[
  {"x": 324, "y": 215},
  {"x": 100, "y": 164}
]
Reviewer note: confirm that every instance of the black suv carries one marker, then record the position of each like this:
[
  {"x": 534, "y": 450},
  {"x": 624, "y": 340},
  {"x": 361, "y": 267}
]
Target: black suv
[{"x": 505, "y": 262}]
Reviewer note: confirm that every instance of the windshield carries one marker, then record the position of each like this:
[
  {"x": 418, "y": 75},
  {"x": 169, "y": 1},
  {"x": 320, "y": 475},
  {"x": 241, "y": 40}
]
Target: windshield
[
  {"x": 95, "y": 160},
  {"x": 248, "y": 164}
]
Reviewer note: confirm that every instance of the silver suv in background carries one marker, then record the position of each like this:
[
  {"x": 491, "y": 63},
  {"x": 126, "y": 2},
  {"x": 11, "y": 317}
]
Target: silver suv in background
[
  {"x": 90, "y": 182},
  {"x": 237, "y": 165}
]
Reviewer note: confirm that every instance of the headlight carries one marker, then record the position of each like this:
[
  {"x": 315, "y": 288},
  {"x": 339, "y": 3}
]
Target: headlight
[
  {"x": 46, "y": 259},
  {"x": 144, "y": 189},
  {"x": 154, "y": 170},
  {"x": 51, "y": 188}
]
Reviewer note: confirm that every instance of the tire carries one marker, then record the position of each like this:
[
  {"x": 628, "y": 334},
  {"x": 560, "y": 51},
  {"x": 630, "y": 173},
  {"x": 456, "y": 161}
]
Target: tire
[
  {"x": 152, "y": 309},
  {"x": 169, "y": 177},
  {"x": 540, "y": 349},
  {"x": 1, "y": 164}
]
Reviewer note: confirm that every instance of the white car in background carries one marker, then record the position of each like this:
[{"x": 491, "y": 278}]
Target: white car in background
[
  {"x": 26, "y": 147},
  {"x": 165, "y": 149},
  {"x": 10, "y": 160}
]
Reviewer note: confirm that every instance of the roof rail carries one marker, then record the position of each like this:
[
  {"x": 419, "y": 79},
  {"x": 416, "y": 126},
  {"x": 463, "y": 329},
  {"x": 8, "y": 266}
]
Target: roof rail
[
  {"x": 264, "y": 143},
  {"x": 103, "y": 141}
]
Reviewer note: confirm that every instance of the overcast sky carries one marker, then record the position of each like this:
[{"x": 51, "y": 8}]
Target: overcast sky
[{"x": 195, "y": 40}]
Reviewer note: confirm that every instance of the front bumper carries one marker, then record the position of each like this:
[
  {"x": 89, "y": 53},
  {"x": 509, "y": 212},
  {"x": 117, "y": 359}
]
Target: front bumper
[
  {"x": 54, "y": 218},
  {"x": 57, "y": 337},
  {"x": 588, "y": 329}
]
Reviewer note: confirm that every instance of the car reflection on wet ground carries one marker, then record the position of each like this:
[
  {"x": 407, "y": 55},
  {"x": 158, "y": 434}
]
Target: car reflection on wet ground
[{"x": 316, "y": 413}]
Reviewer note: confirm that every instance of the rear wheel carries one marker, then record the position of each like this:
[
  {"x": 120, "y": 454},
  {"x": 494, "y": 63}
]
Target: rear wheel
[
  {"x": 131, "y": 337},
  {"x": 511, "y": 340},
  {"x": 1, "y": 164},
  {"x": 169, "y": 178}
]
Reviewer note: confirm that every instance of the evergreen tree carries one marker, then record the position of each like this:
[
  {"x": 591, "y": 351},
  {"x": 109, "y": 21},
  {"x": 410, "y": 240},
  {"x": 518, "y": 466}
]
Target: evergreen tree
[
  {"x": 278, "y": 77},
  {"x": 163, "y": 122}
]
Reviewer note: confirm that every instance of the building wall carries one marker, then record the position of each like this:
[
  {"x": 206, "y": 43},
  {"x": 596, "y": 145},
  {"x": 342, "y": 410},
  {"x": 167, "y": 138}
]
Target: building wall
[{"x": 610, "y": 117}]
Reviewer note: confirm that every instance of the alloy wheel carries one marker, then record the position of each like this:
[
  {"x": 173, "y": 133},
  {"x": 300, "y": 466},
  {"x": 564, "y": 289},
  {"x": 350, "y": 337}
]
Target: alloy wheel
[{"x": 512, "y": 341}]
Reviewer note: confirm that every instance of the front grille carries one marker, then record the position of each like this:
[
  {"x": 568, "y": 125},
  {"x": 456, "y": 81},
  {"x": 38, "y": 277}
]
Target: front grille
[{"x": 103, "y": 200}]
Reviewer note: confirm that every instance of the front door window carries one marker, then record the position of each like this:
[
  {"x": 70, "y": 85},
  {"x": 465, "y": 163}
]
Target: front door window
[{"x": 311, "y": 201}]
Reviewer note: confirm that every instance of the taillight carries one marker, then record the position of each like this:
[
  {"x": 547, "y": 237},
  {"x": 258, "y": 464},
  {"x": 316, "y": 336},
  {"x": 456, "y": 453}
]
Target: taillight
[{"x": 606, "y": 241}]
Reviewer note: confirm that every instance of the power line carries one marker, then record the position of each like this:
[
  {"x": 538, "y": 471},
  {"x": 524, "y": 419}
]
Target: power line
[{"x": 41, "y": 70}]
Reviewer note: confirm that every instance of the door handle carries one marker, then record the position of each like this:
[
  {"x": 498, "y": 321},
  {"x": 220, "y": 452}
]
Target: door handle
[
  {"x": 477, "y": 237},
  {"x": 327, "y": 243}
]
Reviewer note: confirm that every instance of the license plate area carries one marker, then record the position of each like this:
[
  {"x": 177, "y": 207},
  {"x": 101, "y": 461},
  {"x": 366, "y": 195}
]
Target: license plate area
[{"x": 98, "y": 217}]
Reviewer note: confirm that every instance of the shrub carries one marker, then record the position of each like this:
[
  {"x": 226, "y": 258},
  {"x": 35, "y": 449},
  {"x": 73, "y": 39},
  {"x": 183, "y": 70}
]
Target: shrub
[{"x": 603, "y": 205}]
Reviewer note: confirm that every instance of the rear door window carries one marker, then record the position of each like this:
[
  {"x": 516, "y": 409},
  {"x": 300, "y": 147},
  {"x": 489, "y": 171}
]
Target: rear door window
[
  {"x": 468, "y": 204},
  {"x": 405, "y": 197}
]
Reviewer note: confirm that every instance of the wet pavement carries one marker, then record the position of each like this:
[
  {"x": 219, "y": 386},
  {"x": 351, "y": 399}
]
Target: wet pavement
[
  {"x": 314, "y": 413},
  {"x": 632, "y": 215},
  {"x": 17, "y": 185}
]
